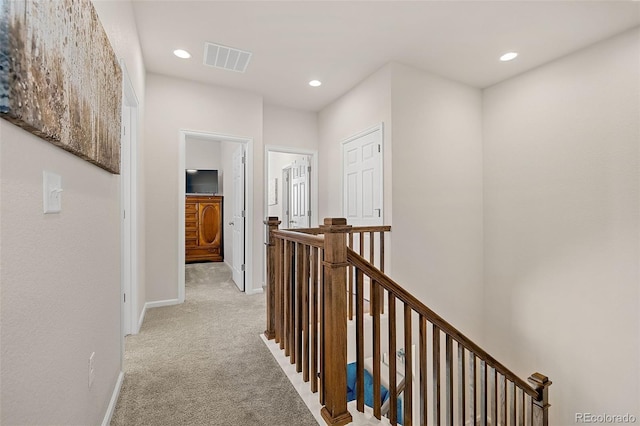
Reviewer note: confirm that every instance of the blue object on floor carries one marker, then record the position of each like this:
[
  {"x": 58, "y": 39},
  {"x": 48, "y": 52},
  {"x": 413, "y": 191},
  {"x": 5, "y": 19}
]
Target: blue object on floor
[{"x": 368, "y": 389}]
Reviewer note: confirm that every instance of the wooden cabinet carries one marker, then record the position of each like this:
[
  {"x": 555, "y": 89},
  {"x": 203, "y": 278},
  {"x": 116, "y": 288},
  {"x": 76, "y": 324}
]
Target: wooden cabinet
[{"x": 203, "y": 228}]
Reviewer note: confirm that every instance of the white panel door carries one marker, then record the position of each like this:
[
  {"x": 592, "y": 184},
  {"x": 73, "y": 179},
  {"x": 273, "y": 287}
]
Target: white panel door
[
  {"x": 362, "y": 191},
  {"x": 362, "y": 177},
  {"x": 239, "y": 213},
  {"x": 299, "y": 199}
]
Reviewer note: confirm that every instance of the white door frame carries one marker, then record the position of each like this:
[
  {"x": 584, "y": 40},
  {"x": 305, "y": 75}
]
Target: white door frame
[
  {"x": 313, "y": 162},
  {"x": 129, "y": 207},
  {"x": 296, "y": 175},
  {"x": 286, "y": 195},
  {"x": 238, "y": 214},
  {"x": 248, "y": 240},
  {"x": 358, "y": 135}
]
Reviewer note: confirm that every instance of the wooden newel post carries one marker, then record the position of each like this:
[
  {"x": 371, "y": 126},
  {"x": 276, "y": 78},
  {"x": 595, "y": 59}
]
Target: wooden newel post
[
  {"x": 334, "y": 339},
  {"x": 272, "y": 225},
  {"x": 540, "y": 414}
]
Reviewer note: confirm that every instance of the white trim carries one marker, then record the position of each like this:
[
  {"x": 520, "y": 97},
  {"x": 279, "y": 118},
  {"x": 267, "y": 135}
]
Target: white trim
[
  {"x": 364, "y": 133},
  {"x": 130, "y": 99},
  {"x": 161, "y": 303},
  {"x": 285, "y": 199},
  {"x": 181, "y": 215},
  {"x": 141, "y": 320},
  {"x": 314, "y": 220},
  {"x": 310, "y": 399},
  {"x": 255, "y": 291},
  {"x": 106, "y": 421},
  {"x": 248, "y": 246},
  {"x": 248, "y": 237},
  {"x": 357, "y": 136}
]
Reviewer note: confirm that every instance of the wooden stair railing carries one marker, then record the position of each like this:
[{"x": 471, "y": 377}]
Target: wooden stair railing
[
  {"x": 488, "y": 393},
  {"x": 307, "y": 310}
]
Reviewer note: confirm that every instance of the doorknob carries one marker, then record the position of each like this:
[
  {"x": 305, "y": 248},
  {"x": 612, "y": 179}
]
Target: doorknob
[{"x": 231, "y": 223}]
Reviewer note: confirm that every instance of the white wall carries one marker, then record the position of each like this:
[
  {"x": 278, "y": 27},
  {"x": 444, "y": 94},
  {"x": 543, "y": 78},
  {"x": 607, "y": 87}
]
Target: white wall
[
  {"x": 561, "y": 227},
  {"x": 289, "y": 129},
  {"x": 365, "y": 106},
  {"x": 60, "y": 281},
  {"x": 432, "y": 182},
  {"x": 285, "y": 127},
  {"x": 119, "y": 22},
  {"x": 174, "y": 104},
  {"x": 437, "y": 194},
  {"x": 203, "y": 154},
  {"x": 60, "y": 285}
]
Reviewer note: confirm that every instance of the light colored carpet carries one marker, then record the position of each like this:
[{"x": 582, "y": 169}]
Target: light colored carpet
[{"x": 203, "y": 362}]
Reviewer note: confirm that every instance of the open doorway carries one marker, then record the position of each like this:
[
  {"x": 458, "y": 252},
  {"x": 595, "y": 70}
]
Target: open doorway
[
  {"x": 291, "y": 189},
  {"x": 228, "y": 239}
]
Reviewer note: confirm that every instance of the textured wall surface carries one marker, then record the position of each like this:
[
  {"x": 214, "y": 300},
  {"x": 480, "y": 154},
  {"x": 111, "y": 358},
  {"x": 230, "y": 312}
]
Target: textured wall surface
[
  {"x": 172, "y": 105},
  {"x": 437, "y": 194},
  {"x": 561, "y": 221},
  {"x": 59, "y": 287}
]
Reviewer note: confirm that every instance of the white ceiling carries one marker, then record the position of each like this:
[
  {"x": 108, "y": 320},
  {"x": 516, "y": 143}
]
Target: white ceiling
[{"x": 341, "y": 43}]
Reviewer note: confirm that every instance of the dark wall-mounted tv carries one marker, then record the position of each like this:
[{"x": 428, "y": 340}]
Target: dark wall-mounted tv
[{"x": 202, "y": 181}]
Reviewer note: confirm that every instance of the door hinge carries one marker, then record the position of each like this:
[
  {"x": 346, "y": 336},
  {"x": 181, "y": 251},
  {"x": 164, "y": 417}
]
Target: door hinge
[
  {"x": 244, "y": 213},
  {"x": 309, "y": 169},
  {"x": 379, "y": 147},
  {"x": 124, "y": 214},
  {"x": 125, "y": 298},
  {"x": 309, "y": 213},
  {"x": 244, "y": 159},
  {"x": 242, "y": 268}
]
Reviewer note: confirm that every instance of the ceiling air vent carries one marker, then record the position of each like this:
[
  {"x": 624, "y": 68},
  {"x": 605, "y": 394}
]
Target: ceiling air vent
[{"x": 227, "y": 58}]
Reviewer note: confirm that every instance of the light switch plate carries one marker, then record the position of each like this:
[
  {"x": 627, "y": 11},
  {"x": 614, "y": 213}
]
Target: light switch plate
[{"x": 51, "y": 192}]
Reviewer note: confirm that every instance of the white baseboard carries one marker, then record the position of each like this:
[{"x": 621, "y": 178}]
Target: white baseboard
[
  {"x": 114, "y": 400},
  {"x": 140, "y": 321},
  {"x": 255, "y": 291},
  {"x": 160, "y": 303}
]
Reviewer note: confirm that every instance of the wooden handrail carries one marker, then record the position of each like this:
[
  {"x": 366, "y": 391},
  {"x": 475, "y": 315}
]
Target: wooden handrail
[
  {"x": 314, "y": 277},
  {"x": 312, "y": 231},
  {"x": 400, "y": 293},
  {"x": 352, "y": 230},
  {"x": 381, "y": 228},
  {"x": 297, "y": 237}
]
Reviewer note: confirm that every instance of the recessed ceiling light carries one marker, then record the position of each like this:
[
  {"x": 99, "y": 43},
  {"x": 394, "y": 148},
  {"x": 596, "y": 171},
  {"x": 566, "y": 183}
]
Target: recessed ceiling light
[
  {"x": 508, "y": 56},
  {"x": 315, "y": 83},
  {"x": 182, "y": 54}
]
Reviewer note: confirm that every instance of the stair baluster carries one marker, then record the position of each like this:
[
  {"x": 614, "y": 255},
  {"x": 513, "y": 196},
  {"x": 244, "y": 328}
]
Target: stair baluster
[{"x": 316, "y": 281}]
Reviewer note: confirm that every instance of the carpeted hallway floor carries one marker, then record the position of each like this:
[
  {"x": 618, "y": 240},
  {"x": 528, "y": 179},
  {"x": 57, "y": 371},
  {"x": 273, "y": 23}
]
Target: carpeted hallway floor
[{"x": 204, "y": 363}]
